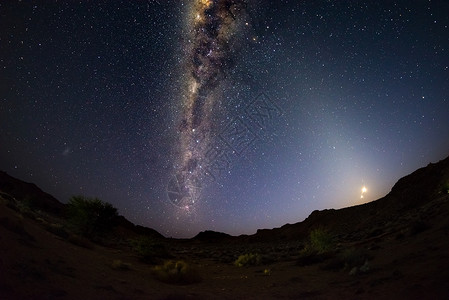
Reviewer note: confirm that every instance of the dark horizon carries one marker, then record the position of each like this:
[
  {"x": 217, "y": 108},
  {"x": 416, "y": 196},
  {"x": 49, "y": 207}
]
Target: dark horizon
[{"x": 242, "y": 234}]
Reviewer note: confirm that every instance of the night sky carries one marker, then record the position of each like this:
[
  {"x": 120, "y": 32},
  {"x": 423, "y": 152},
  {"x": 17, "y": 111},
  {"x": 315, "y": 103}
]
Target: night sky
[{"x": 222, "y": 115}]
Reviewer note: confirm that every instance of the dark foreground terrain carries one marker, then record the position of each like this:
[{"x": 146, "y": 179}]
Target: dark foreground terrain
[{"x": 394, "y": 248}]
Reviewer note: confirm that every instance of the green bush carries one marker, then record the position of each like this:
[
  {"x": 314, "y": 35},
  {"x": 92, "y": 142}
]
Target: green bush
[
  {"x": 91, "y": 217},
  {"x": 308, "y": 250},
  {"x": 317, "y": 249},
  {"x": 248, "y": 259},
  {"x": 445, "y": 188},
  {"x": 321, "y": 240},
  {"x": 176, "y": 272}
]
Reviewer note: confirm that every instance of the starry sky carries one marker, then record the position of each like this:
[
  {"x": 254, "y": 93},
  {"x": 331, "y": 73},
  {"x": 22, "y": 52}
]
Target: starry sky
[{"x": 308, "y": 103}]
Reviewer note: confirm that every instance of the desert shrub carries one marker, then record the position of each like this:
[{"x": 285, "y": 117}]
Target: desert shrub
[
  {"x": 249, "y": 259},
  {"x": 117, "y": 264},
  {"x": 149, "y": 249},
  {"x": 23, "y": 206},
  {"x": 445, "y": 188},
  {"x": 317, "y": 249},
  {"x": 321, "y": 240},
  {"x": 308, "y": 250},
  {"x": 176, "y": 272},
  {"x": 91, "y": 217}
]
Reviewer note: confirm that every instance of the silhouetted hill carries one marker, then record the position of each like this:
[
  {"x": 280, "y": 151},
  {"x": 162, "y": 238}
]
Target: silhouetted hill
[
  {"x": 30, "y": 194},
  {"x": 126, "y": 227},
  {"x": 211, "y": 236},
  {"x": 409, "y": 193}
]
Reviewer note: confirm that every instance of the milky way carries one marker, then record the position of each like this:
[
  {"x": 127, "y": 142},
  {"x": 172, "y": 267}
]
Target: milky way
[{"x": 213, "y": 28}]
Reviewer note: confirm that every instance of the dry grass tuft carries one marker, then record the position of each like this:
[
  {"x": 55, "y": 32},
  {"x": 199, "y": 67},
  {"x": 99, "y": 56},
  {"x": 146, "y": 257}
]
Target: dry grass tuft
[{"x": 176, "y": 272}]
